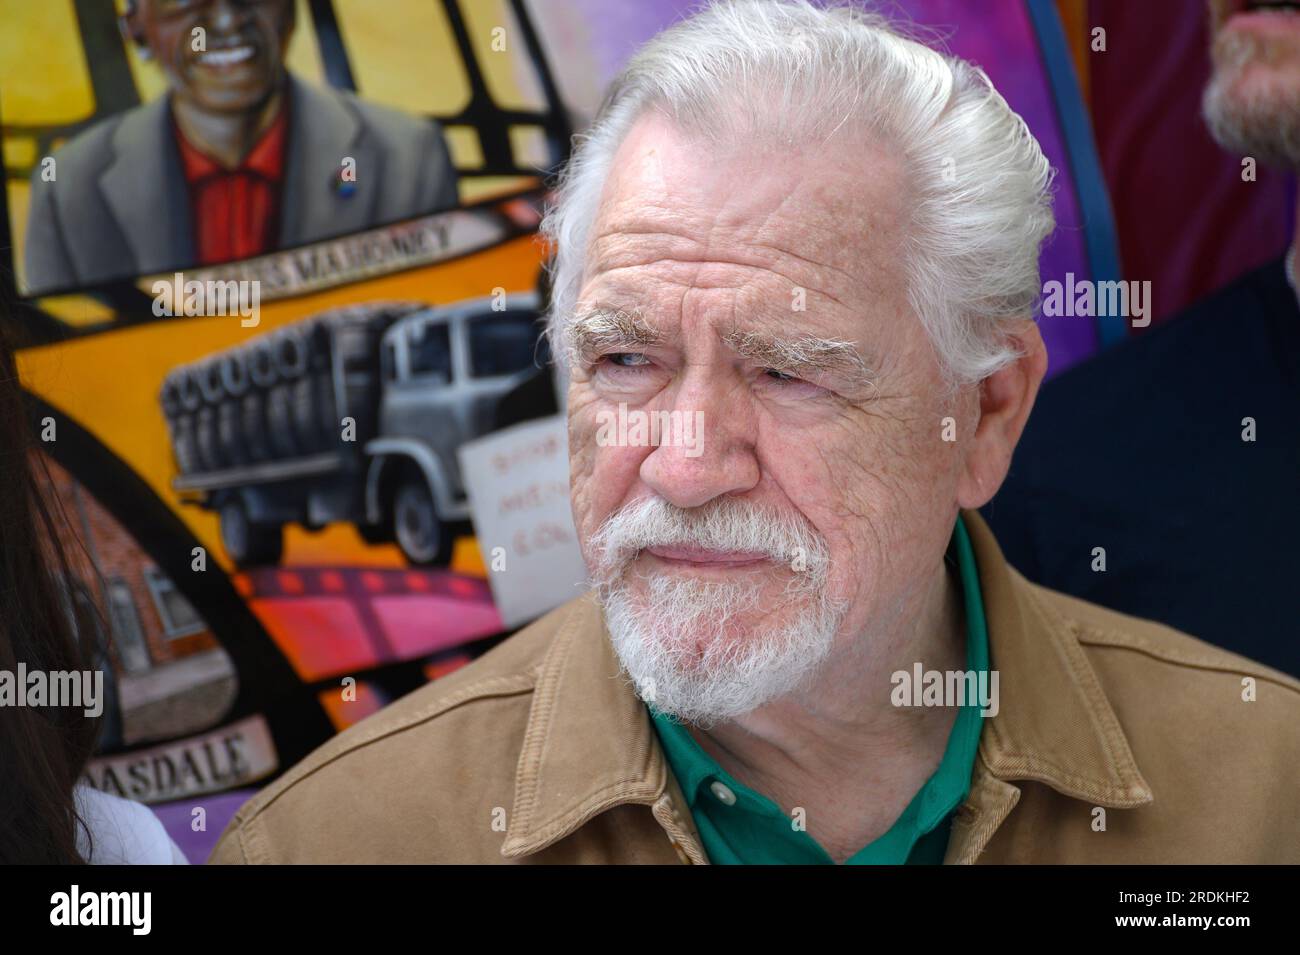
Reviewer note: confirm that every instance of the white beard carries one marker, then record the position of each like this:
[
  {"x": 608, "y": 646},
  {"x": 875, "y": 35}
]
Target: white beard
[
  {"x": 681, "y": 643},
  {"x": 1265, "y": 124}
]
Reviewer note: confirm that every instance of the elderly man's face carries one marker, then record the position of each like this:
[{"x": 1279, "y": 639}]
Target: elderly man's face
[
  {"x": 1253, "y": 102},
  {"x": 764, "y": 291}
]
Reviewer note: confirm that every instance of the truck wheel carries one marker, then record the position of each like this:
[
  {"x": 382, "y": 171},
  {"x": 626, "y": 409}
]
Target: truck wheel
[
  {"x": 423, "y": 538},
  {"x": 246, "y": 543}
]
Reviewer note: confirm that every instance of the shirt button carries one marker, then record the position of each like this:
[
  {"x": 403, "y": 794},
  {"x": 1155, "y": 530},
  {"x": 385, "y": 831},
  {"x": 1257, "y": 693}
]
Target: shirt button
[{"x": 723, "y": 793}]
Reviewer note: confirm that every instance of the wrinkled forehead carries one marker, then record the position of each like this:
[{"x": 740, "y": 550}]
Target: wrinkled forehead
[{"x": 821, "y": 214}]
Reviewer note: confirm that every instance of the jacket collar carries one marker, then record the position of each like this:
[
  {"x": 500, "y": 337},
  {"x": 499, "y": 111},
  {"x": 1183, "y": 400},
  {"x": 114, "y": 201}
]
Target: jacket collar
[
  {"x": 589, "y": 744},
  {"x": 144, "y": 186},
  {"x": 1055, "y": 724},
  {"x": 324, "y": 126}
]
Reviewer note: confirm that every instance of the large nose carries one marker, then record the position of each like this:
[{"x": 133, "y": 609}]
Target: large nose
[{"x": 714, "y": 416}]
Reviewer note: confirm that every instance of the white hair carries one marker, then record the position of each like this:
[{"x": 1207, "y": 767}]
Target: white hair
[{"x": 744, "y": 69}]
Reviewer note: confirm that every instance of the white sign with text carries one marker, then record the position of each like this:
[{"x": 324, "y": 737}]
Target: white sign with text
[{"x": 518, "y": 484}]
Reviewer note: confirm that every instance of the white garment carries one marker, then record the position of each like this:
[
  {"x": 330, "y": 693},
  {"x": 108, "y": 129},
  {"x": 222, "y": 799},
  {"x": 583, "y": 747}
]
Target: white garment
[{"x": 123, "y": 832}]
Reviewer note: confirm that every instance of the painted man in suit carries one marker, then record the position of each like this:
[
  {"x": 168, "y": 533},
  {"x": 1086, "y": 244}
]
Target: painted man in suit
[{"x": 240, "y": 158}]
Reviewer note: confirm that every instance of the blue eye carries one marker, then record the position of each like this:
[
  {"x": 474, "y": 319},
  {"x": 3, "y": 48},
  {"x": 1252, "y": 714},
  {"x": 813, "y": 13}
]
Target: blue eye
[{"x": 628, "y": 359}]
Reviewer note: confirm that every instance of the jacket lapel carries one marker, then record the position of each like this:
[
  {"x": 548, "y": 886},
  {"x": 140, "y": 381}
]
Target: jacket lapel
[
  {"x": 1054, "y": 724},
  {"x": 322, "y": 132},
  {"x": 145, "y": 188},
  {"x": 589, "y": 746}
]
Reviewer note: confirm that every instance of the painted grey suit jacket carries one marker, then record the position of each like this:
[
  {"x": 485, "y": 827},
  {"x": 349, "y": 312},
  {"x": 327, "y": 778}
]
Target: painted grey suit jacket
[{"x": 119, "y": 207}]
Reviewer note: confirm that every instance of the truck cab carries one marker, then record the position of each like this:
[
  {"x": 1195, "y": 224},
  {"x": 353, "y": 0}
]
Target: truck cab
[{"x": 444, "y": 371}]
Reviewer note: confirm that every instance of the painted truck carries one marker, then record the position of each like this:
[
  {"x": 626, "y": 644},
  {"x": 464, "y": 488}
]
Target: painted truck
[{"x": 351, "y": 415}]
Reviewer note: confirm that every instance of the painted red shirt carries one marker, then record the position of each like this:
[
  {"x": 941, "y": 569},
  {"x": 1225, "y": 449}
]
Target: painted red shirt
[{"x": 235, "y": 212}]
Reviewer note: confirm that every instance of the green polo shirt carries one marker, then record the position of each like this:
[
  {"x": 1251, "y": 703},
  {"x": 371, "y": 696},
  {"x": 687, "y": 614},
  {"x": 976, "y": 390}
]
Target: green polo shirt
[{"x": 753, "y": 830}]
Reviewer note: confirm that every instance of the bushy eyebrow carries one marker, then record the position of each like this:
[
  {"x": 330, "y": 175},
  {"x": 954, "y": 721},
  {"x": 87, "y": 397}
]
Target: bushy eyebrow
[
  {"x": 802, "y": 355},
  {"x": 599, "y": 328}
]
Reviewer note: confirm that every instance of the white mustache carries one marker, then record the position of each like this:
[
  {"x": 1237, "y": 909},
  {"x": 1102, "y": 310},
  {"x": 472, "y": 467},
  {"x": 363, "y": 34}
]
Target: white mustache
[
  {"x": 727, "y": 524},
  {"x": 1230, "y": 51}
]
